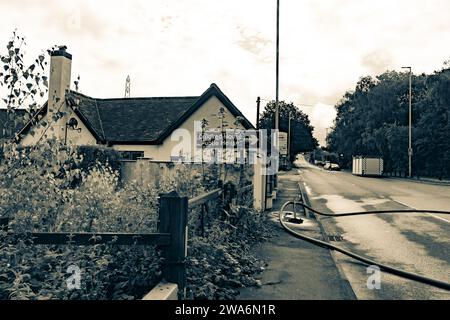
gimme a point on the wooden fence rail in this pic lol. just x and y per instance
(87, 239)
(205, 198)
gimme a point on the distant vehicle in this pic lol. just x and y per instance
(332, 166)
(335, 167)
(319, 163)
(367, 166)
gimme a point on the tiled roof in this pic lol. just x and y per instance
(132, 119)
(140, 120)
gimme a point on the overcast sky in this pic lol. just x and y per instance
(175, 47)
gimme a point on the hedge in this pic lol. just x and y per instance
(92, 155)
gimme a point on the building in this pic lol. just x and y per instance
(149, 128)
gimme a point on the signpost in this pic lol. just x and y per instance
(283, 143)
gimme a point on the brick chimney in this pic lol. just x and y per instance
(59, 83)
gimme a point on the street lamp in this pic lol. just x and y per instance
(289, 135)
(410, 150)
(277, 107)
(277, 86)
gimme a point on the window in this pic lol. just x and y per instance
(131, 155)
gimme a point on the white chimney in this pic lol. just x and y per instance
(59, 83)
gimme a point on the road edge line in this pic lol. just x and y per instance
(341, 272)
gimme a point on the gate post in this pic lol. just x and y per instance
(259, 185)
(173, 211)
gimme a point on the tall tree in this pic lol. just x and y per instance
(302, 139)
(372, 120)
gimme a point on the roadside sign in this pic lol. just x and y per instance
(283, 143)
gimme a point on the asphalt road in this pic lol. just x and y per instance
(417, 243)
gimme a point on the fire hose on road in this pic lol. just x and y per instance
(401, 273)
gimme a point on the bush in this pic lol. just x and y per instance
(93, 155)
(221, 262)
(107, 271)
(38, 196)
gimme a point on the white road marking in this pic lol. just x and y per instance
(430, 214)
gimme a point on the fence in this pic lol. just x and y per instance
(146, 171)
(171, 237)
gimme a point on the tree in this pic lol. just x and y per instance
(372, 120)
(302, 139)
(22, 83)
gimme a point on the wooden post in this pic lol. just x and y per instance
(173, 219)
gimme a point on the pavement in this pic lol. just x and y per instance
(423, 180)
(418, 243)
(296, 270)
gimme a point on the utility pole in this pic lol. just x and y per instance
(410, 149)
(289, 136)
(258, 104)
(277, 107)
(277, 111)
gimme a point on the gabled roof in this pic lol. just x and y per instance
(140, 120)
(130, 120)
(213, 90)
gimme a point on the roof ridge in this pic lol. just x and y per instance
(135, 98)
(100, 120)
(147, 98)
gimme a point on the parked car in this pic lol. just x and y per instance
(332, 166)
(335, 167)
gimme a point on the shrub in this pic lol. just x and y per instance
(93, 155)
(221, 262)
(37, 196)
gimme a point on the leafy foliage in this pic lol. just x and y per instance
(92, 155)
(302, 139)
(51, 187)
(39, 197)
(221, 262)
(23, 84)
(373, 120)
(99, 204)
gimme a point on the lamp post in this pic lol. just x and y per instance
(410, 150)
(277, 111)
(277, 74)
(289, 136)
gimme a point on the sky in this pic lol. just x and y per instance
(178, 48)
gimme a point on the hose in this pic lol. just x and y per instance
(401, 273)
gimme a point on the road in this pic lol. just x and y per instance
(417, 243)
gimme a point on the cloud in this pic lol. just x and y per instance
(167, 22)
(256, 44)
(377, 61)
(172, 47)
